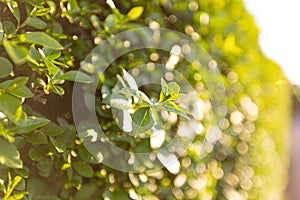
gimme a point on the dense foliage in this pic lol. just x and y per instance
(44, 43)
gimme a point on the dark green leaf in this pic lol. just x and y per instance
(35, 22)
(142, 121)
(37, 138)
(121, 194)
(49, 197)
(9, 28)
(135, 13)
(59, 145)
(41, 38)
(86, 156)
(35, 154)
(76, 76)
(5, 67)
(86, 191)
(51, 129)
(35, 187)
(9, 155)
(24, 172)
(83, 169)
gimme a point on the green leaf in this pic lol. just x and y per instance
(172, 107)
(48, 197)
(76, 76)
(35, 154)
(1, 31)
(142, 121)
(18, 82)
(15, 182)
(174, 87)
(15, 52)
(52, 129)
(51, 54)
(86, 156)
(86, 191)
(9, 105)
(164, 87)
(30, 124)
(35, 22)
(117, 101)
(169, 91)
(24, 172)
(41, 38)
(52, 69)
(121, 194)
(37, 138)
(129, 79)
(17, 87)
(9, 28)
(135, 13)
(57, 89)
(5, 67)
(135, 93)
(40, 11)
(59, 145)
(18, 196)
(35, 187)
(9, 155)
(22, 91)
(83, 169)
(13, 7)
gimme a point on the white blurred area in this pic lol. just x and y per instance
(279, 24)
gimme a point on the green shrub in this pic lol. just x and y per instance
(239, 148)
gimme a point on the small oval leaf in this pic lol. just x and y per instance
(5, 67)
(83, 169)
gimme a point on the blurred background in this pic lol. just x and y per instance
(275, 20)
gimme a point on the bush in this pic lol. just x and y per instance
(223, 111)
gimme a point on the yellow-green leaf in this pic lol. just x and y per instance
(15, 52)
(135, 13)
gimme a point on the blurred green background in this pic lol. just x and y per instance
(248, 160)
